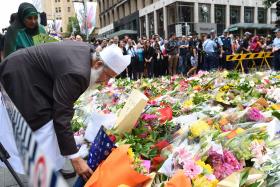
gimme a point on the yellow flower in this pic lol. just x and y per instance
(219, 97)
(239, 130)
(275, 106)
(277, 77)
(202, 181)
(130, 154)
(187, 103)
(199, 127)
(225, 74)
(206, 167)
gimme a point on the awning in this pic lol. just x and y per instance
(122, 32)
(237, 26)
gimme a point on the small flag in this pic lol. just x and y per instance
(100, 149)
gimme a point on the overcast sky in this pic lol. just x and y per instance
(6, 9)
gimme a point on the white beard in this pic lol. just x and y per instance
(94, 76)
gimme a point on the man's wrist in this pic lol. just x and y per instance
(73, 156)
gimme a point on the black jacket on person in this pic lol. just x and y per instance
(149, 52)
(44, 82)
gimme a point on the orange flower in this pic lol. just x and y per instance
(197, 87)
(223, 121)
(210, 121)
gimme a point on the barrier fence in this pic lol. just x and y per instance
(250, 56)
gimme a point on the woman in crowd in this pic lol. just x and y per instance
(158, 59)
(149, 61)
(20, 33)
(256, 47)
(122, 47)
(140, 63)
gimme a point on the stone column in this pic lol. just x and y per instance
(242, 14)
(155, 22)
(147, 25)
(268, 16)
(165, 21)
(196, 20)
(256, 14)
(227, 15)
(212, 13)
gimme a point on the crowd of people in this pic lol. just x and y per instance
(187, 55)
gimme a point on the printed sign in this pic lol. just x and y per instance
(36, 163)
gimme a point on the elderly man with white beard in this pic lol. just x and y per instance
(44, 82)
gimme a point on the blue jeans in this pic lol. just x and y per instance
(182, 64)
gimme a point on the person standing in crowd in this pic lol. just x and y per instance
(132, 68)
(79, 38)
(227, 50)
(20, 33)
(149, 61)
(44, 82)
(244, 48)
(183, 50)
(172, 50)
(194, 63)
(276, 50)
(164, 70)
(256, 47)
(116, 40)
(122, 47)
(200, 52)
(211, 58)
(158, 60)
(141, 61)
(218, 49)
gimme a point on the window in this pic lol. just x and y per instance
(204, 13)
(249, 14)
(143, 26)
(59, 9)
(234, 14)
(220, 18)
(151, 23)
(68, 1)
(55, 1)
(56, 10)
(69, 19)
(262, 15)
(185, 12)
(69, 9)
(58, 0)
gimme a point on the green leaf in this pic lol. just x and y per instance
(256, 184)
(244, 176)
(276, 114)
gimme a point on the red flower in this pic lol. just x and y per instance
(165, 114)
(112, 138)
(162, 144)
(157, 161)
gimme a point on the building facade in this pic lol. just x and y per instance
(59, 10)
(184, 16)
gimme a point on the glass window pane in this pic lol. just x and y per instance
(220, 18)
(262, 15)
(204, 13)
(185, 12)
(249, 14)
(151, 23)
(273, 15)
(234, 14)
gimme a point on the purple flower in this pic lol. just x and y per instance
(254, 114)
(149, 117)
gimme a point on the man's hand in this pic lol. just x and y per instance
(81, 168)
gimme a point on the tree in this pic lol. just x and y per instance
(73, 24)
(268, 3)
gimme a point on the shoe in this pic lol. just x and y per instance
(67, 174)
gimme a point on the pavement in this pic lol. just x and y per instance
(7, 180)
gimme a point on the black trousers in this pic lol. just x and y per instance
(276, 61)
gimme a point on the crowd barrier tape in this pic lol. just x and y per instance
(249, 56)
(36, 164)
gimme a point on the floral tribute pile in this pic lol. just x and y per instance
(213, 129)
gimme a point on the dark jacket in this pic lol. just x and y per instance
(44, 82)
(149, 52)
